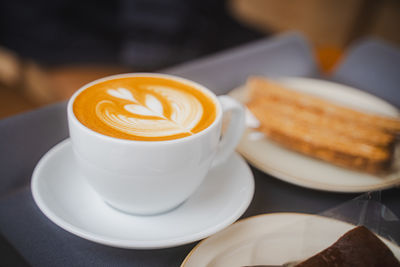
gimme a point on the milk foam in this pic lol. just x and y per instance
(149, 118)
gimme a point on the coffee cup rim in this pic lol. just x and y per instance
(208, 92)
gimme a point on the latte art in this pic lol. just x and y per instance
(144, 108)
(148, 119)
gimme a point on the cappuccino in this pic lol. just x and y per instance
(145, 108)
(146, 177)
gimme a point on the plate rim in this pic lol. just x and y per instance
(126, 243)
(302, 181)
(295, 214)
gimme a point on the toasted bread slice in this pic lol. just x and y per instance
(361, 132)
(320, 142)
(321, 129)
(263, 88)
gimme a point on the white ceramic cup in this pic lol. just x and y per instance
(150, 177)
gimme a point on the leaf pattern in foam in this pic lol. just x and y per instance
(122, 93)
(154, 105)
(187, 111)
(140, 110)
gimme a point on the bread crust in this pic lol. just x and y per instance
(323, 130)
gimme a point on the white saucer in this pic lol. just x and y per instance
(63, 195)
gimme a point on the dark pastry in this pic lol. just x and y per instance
(358, 247)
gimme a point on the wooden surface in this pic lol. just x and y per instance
(323, 22)
(38, 87)
(12, 103)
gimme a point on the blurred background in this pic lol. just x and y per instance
(48, 49)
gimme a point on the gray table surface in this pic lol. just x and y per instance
(25, 138)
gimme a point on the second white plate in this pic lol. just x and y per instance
(273, 239)
(308, 172)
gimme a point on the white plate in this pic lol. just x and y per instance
(272, 239)
(308, 172)
(63, 195)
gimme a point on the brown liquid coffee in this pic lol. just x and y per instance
(145, 108)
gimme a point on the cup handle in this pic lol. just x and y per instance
(231, 136)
